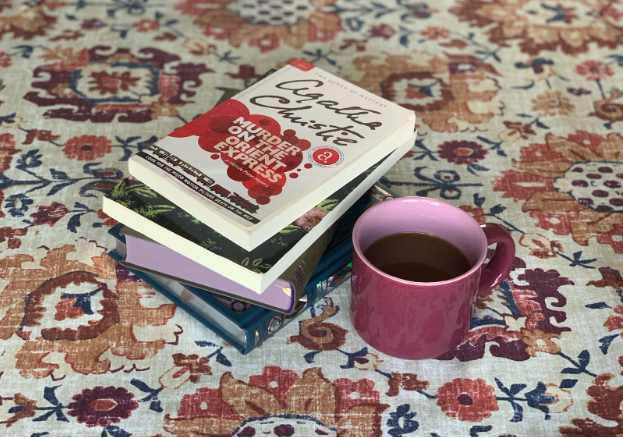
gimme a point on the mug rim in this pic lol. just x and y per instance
(357, 248)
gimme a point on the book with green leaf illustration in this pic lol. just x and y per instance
(142, 209)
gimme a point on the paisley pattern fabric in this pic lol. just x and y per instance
(520, 112)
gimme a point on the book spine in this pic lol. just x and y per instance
(300, 272)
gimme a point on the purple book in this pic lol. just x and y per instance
(144, 254)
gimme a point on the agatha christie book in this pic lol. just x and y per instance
(143, 209)
(260, 160)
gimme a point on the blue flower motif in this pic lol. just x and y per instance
(408, 424)
(418, 9)
(539, 399)
(29, 160)
(18, 204)
(536, 64)
(447, 182)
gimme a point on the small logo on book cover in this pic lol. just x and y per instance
(326, 156)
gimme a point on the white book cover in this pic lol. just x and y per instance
(257, 162)
(226, 259)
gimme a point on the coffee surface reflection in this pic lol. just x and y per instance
(417, 257)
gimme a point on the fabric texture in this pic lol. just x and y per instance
(520, 110)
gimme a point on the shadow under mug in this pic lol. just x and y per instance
(414, 320)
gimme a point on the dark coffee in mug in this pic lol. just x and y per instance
(417, 257)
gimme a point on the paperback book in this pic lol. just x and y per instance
(255, 163)
(162, 222)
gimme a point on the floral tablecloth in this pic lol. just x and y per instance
(520, 112)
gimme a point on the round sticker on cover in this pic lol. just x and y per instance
(326, 156)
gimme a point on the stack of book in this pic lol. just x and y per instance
(243, 216)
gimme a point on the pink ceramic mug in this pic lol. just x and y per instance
(415, 320)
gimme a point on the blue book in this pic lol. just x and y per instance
(245, 325)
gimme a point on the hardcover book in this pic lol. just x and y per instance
(246, 325)
(282, 295)
(143, 209)
(258, 161)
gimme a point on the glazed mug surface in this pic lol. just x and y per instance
(416, 320)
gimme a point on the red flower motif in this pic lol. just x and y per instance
(355, 393)
(7, 150)
(50, 214)
(275, 380)
(405, 381)
(109, 222)
(102, 406)
(540, 246)
(520, 185)
(609, 278)
(221, 32)
(433, 33)
(615, 322)
(462, 152)
(87, 147)
(614, 238)
(606, 402)
(594, 70)
(475, 212)
(193, 364)
(467, 399)
(11, 235)
(24, 407)
(5, 59)
(384, 31)
(112, 83)
(65, 309)
(263, 407)
(266, 43)
(41, 135)
(516, 130)
(205, 402)
(591, 141)
(92, 24)
(559, 223)
(613, 12)
(145, 25)
(540, 152)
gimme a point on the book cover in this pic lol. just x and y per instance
(258, 161)
(246, 325)
(140, 252)
(143, 209)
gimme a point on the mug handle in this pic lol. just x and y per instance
(501, 263)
